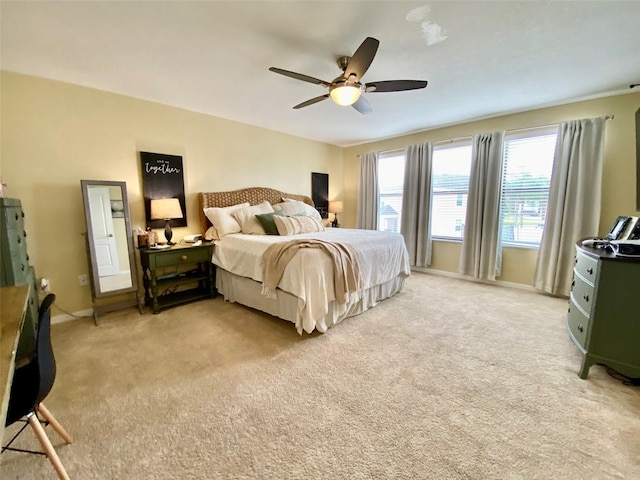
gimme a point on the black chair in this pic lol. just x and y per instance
(31, 384)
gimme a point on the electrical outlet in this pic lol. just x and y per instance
(83, 280)
(45, 286)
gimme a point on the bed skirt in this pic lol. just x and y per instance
(247, 292)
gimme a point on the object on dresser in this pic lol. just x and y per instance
(625, 228)
(192, 238)
(626, 248)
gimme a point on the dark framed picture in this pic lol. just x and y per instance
(638, 160)
(162, 177)
(320, 193)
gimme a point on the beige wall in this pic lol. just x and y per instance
(618, 185)
(55, 134)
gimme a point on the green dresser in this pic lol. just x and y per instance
(15, 267)
(604, 310)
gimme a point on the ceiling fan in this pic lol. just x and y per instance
(347, 89)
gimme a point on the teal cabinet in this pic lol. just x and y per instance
(604, 310)
(15, 268)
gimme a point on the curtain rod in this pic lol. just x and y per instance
(453, 140)
(542, 127)
(470, 137)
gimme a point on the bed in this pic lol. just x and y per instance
(305, 294)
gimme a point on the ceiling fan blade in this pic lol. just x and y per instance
(361, 60)
(299, 76)
(312, 101)
(362, 105)
(395, 85)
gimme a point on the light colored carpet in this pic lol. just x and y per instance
(448, 380)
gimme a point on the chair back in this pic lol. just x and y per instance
(32, 382)
(44, 350)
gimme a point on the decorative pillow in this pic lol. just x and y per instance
(246, 217)
(222, 219)
(295, 207)
(296, 225)
(268, 223)
(211, 234)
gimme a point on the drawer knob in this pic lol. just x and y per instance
(184, 257)
(580, 328)
(590, 270)
(586, 297)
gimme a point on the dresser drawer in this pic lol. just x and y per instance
(578, 324)
(586, 267)
(583, 294)
(184, 255)
(13, 215)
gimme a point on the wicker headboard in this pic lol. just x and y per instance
(253, 195)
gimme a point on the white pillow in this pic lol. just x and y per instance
(296, 207)
(296, 225)
(246, 217)
(211, 234)
(222, 220)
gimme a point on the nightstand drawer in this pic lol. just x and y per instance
(184, 255)
(578, 324)
(586, 267)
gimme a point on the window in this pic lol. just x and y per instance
(528, 161)
(451, 167)
(390, 184)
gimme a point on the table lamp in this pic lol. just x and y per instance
(335, 207)
(166, 209)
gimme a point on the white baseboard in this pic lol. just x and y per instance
(66, 317)
(499, 283)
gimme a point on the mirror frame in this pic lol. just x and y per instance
(95, 279)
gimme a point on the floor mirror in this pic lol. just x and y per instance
(110, 250)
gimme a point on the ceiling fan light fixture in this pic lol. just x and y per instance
(345, 93)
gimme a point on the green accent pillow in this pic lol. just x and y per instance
(268, 223)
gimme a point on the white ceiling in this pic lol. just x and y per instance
(481, 58)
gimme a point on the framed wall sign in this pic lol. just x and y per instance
(638, 160)
(162, 177)
(320, 193)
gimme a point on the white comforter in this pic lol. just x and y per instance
(309, 276)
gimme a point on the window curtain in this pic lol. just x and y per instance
(367, 213)
(416, 203)
(481, 255)
(573, 210)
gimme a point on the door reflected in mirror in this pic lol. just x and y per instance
(109, 236)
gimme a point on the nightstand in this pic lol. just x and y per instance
(177, 275)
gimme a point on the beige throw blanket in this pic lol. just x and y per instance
(344, 259)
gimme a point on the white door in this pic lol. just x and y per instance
(104, 240)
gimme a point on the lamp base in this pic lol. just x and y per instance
(168, 234)
(335, 223)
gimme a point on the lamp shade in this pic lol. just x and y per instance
(336, 207)
(165, 209)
